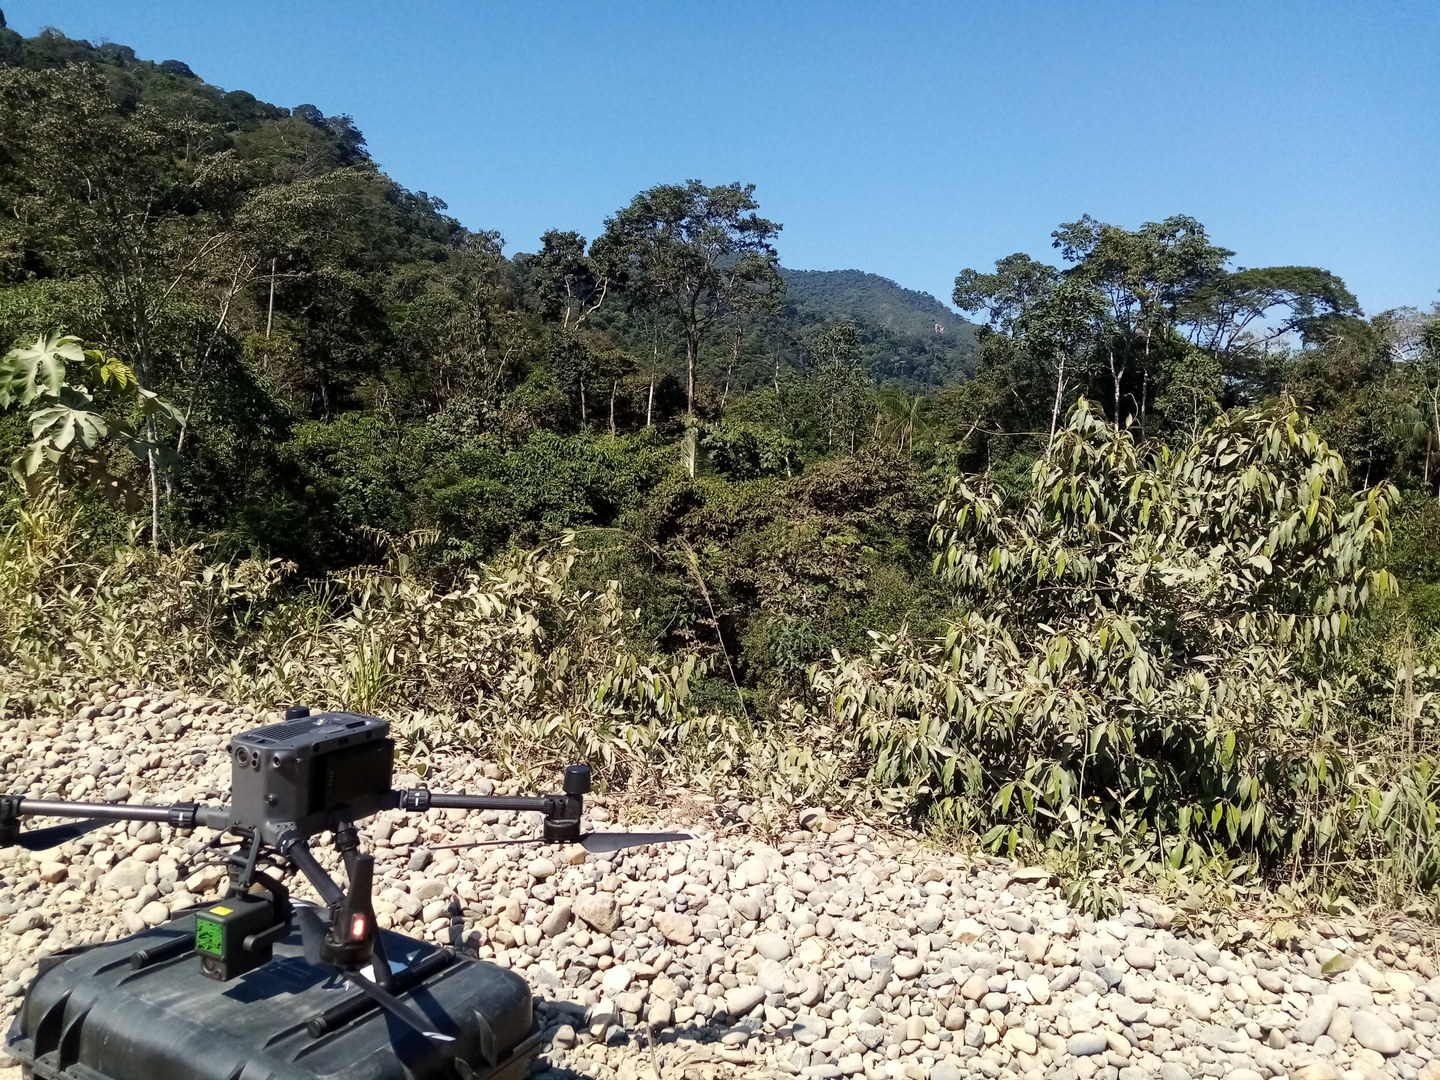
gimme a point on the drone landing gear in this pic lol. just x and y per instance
(345, 939)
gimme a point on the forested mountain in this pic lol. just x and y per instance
(907, 336)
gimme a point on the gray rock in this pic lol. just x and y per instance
(564, 1037)
(870, 1037)
(771, 976)
(128, 875)
(1352, 995)
(812, 988)
(808, 1030)
(557, 921)
(1086, 1043)
(772, 946)
(995, 1002)
(747, 907)
(742, 999)
(1140, 957)
(1373, 1033)
(908, 967)
(1316, 1020)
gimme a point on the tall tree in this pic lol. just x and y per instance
(1050, 319)
(567, 283)
(1237, 315)
(133, 201)
(1143, 276)
(844, 396)
(697, 253)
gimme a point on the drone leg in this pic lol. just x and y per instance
(298, 852)
(384, 977)
(242, 874)
(347, 843)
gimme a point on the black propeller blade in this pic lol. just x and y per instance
(312, 933)
(488, 843)
(55, 835)
(395, 1007)
(312, 936)
(597, 843)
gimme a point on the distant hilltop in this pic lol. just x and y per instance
(915, 338)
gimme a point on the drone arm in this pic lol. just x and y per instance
(176, 815)
(562, 812)
(421, 799)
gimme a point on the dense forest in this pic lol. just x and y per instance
(1144, 568)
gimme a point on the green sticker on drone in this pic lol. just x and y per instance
(209, 937)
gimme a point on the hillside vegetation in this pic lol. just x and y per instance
(907, 338)
(1143, 581)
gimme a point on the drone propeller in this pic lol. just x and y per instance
(395, 1007)
(597, 843)
(312, 933)
(312, 938)
(55, 835)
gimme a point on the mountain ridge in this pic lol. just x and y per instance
(908, 337)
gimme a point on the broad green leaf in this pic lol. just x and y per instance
(73, 418)
(152, 403)
(37, 370)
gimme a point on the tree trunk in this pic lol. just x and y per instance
(692, 347)
(154, 484)
(730, 369)
(270, 308)
(1433, 438)
(1116, 377)
(583, 418)
(1055, 409)
(614, 387)
(654, 366)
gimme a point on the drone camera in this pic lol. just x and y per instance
(231, 936)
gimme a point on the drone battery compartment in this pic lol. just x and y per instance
(91, 1015)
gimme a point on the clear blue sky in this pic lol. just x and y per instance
(908, 139)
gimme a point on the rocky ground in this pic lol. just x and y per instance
(831, 950)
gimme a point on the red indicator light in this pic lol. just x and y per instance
(357, 927)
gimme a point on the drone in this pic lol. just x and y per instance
(116, 1011)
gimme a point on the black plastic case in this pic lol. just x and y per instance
(90, 1014)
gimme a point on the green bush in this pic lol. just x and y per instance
(1147, 665)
